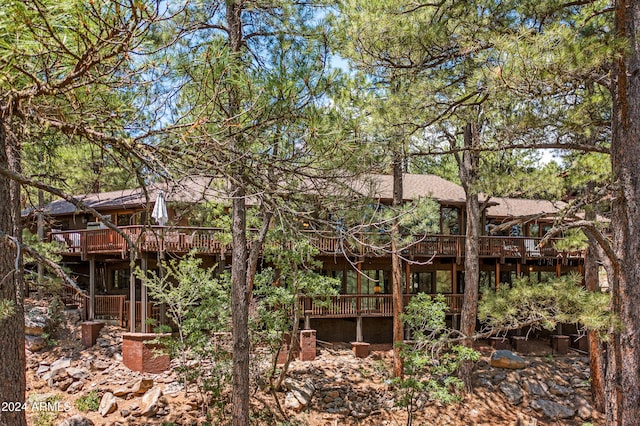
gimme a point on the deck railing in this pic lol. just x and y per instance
(210, 241)
(366, 305)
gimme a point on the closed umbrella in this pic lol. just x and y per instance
(160, 210)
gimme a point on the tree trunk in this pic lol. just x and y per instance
(396, 271)
(596, 347)
(622, 385)
(239, 282)
(12, 367)
(468, 168)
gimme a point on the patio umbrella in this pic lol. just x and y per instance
(160, 210)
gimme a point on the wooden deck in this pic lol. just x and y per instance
(208, 241)
(364, 305)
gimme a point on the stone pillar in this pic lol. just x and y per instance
(560, 344)
(90, 332)
(138, 354)
(360, 349)
(520, 344)
(307, 345)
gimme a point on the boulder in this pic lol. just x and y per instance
(75, 387)
(76, 420)
(36, 321)
(535, 387)
(141, 386)
(506, 359)
(512, 392)
(57, 371)
(35, 343)
(77, 373)
(292, 402)
(560, 390)
(302, 391)
(552, 409)
(108, 404)
(150, 401)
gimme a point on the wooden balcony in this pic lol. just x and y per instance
(209, 241)
(365, 305)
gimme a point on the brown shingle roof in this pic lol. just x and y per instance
(414, 186)
(517, 207)
(189, 190)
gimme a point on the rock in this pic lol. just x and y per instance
(302, 391)
(585, 412)
(506, 359)
(60, 364)
(124, 412)
(35, 343)
(76, 420)
(63, 384)
(102, 342)
(141, 386)
(99, 365)
(72, 316)
(108, 404)
(560, 390)
(75, 387)
(77, 373)
(43, 368)
(535, 387)
(512, 391)
(36, 321)
(150, 401)
(292, 402)
(584, 409)
(359, 415)
(552, 409)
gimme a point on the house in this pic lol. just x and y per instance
(434, 263)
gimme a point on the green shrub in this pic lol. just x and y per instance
(88, 402)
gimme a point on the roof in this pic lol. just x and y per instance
(413, 187)
(379, 186)
(518, 207)
(189, 190)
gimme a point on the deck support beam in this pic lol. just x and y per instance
(144, 299)
(359, 337)
(92, 288)
(132, 294)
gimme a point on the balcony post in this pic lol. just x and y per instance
(132, 292)
(359, 337)
(143, 296)
(92, 288)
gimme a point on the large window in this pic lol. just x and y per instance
(443, 282)
(121, 278)
(450, 221)
(422, 282)
(351, 282)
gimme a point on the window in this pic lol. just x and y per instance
(450, 220)
(534, 230)
(121, 278)
(352, 282)
(124, 219)
(421, 282)
(443, 282)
